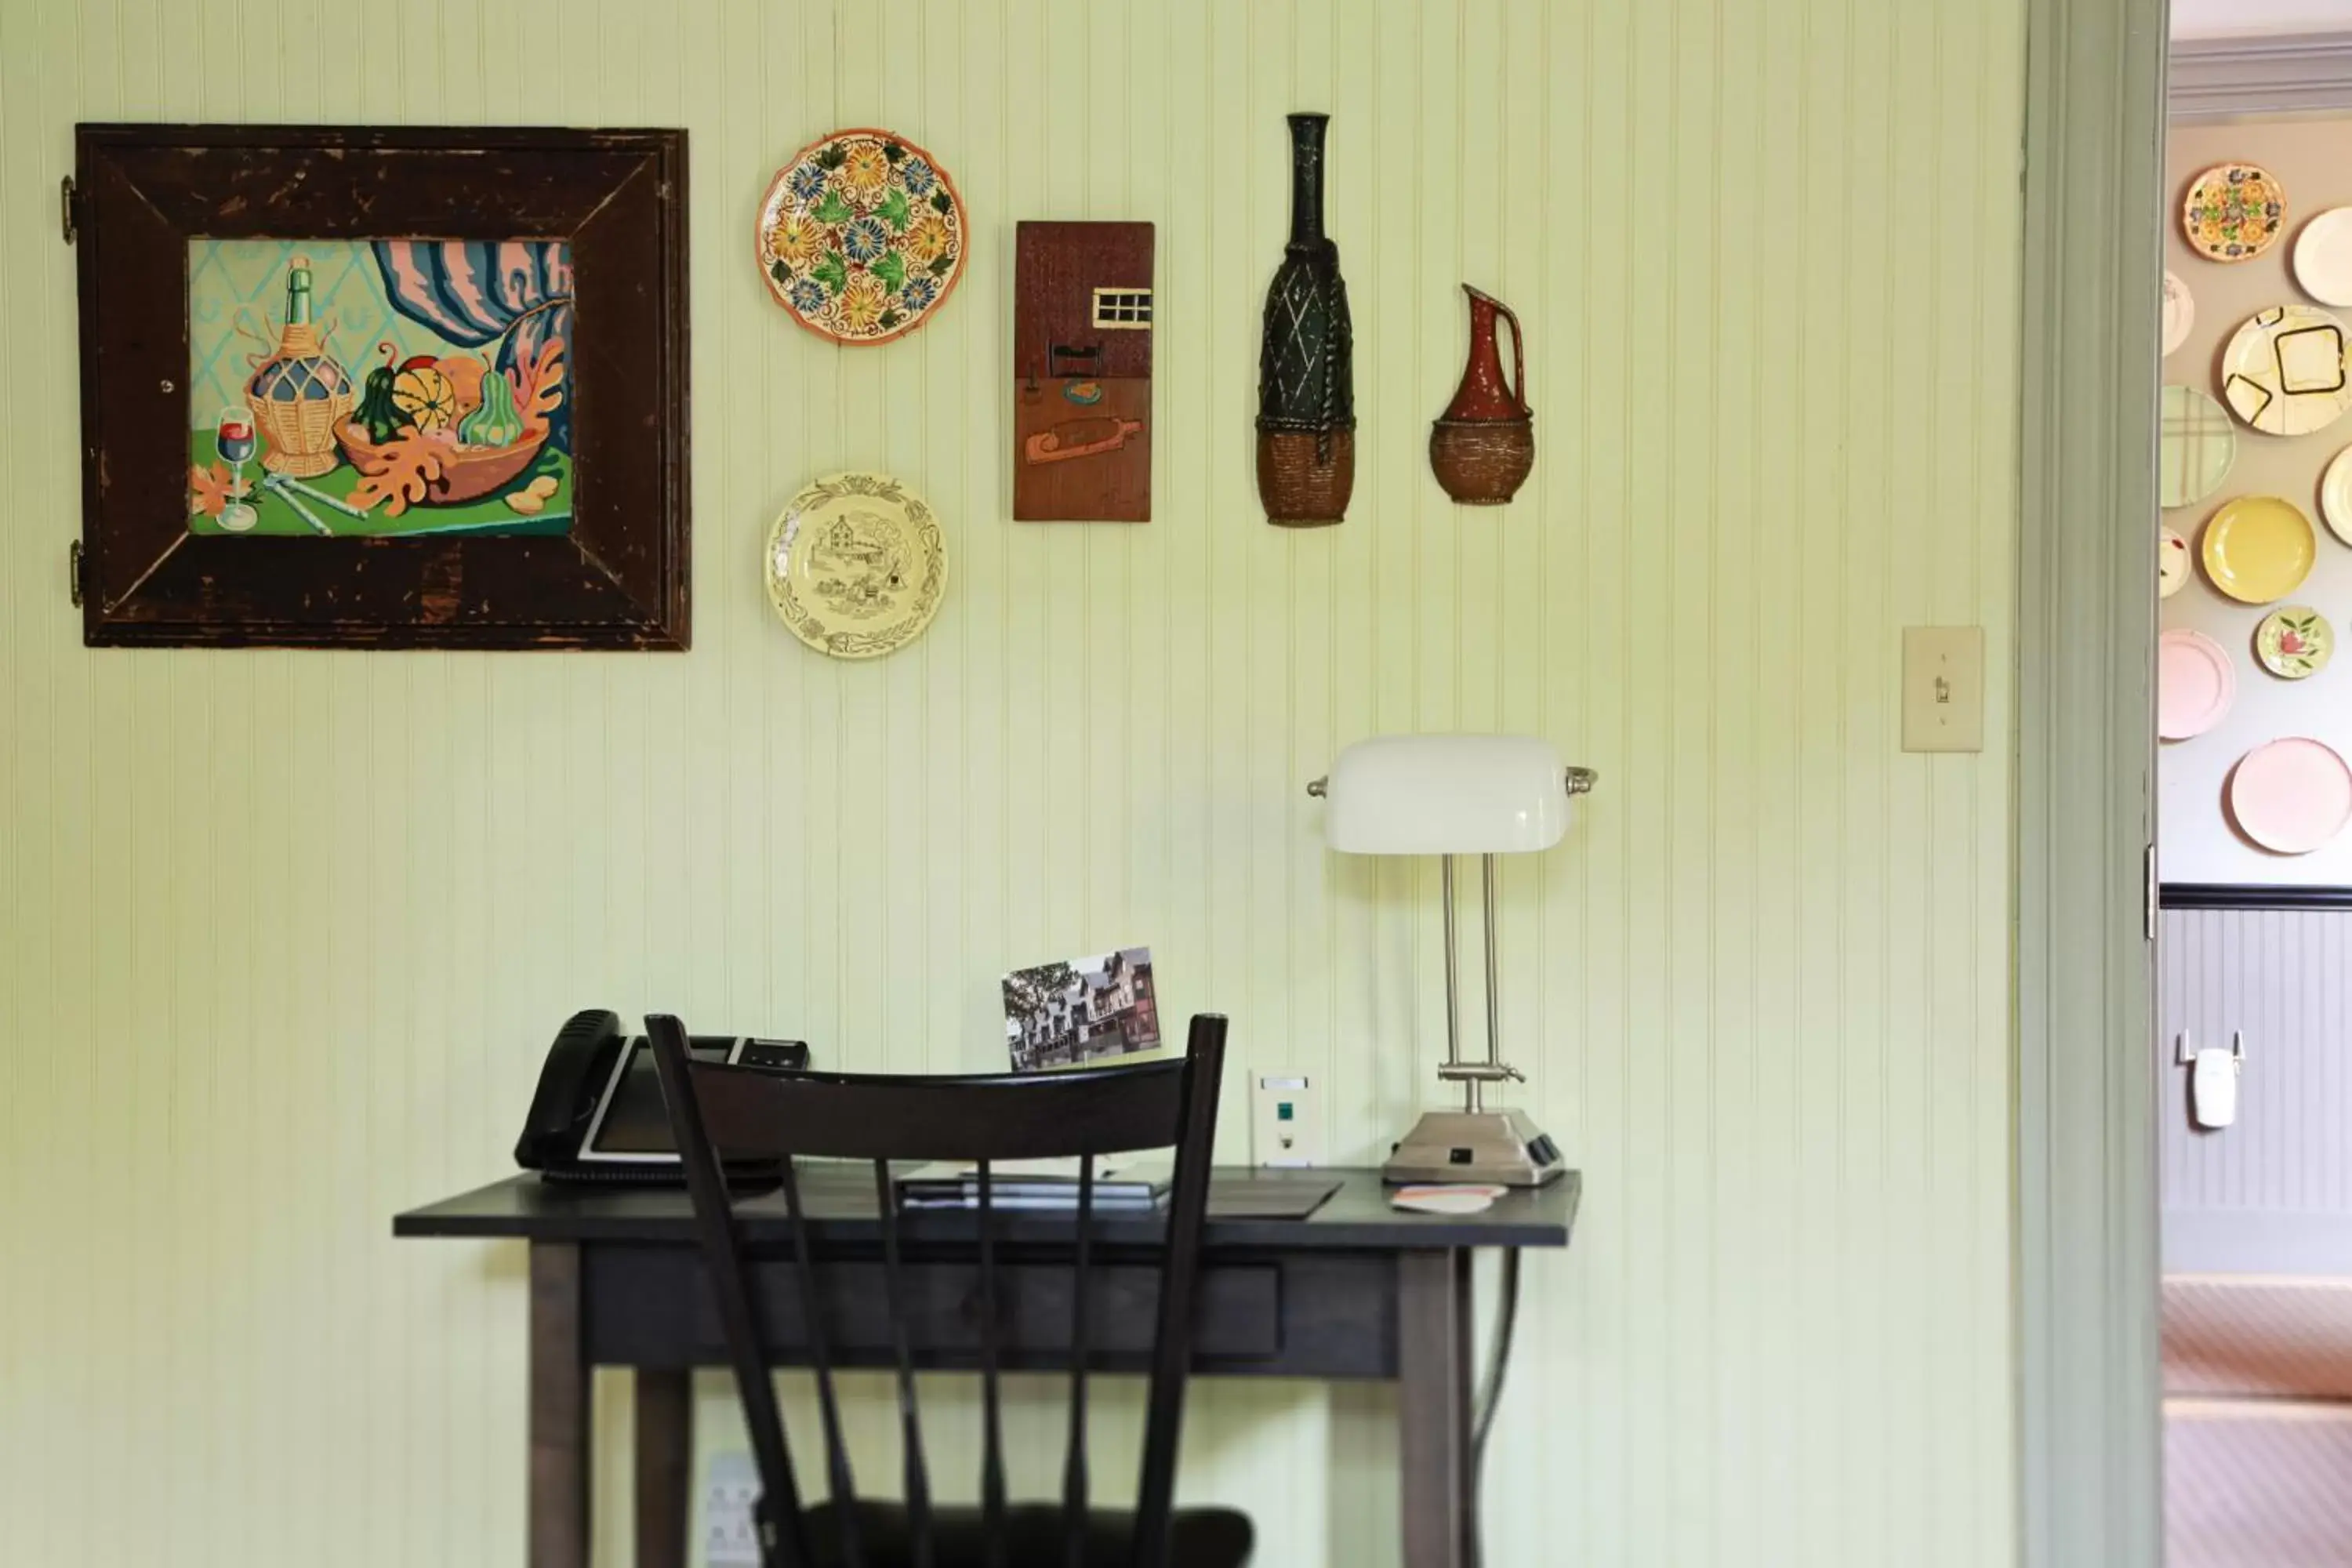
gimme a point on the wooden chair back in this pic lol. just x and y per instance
(724, 1116)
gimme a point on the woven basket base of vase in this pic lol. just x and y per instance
(1298, 490)
(299, 438)
(1482, 462)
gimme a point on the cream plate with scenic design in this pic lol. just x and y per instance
(2294, 641)
(862, 237)
(2234, 212)
(857, 565)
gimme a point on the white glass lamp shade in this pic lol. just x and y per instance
(1447, 795)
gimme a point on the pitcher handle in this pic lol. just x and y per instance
(1518, 359)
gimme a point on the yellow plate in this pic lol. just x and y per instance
(857, 565)
(2259, 548)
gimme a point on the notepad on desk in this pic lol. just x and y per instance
(1120, 1185)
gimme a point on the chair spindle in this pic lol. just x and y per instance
(837, 1449)
(910, 1427)
(1074, 1473)
(992, 1451)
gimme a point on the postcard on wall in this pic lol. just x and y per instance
(1067, 1014)
(379, 388)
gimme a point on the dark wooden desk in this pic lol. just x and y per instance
(1358, 1290)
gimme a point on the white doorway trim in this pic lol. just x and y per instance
(2089, 1416)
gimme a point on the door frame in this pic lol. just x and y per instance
(2089, 1411)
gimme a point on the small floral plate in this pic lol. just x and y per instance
(2173, 565)
(862, 237)
(857, 565)
(2234, 212)
(2294, 641)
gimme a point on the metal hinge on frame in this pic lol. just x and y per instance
(73, 573)
(65, 207)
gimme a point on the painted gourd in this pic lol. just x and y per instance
(425, 398)
(377, 410)
(495, 422)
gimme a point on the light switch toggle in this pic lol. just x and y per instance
(1943, 689)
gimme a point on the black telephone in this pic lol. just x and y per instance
(598, 1116)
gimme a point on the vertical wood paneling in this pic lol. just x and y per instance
(2278, 976)
(286, 934)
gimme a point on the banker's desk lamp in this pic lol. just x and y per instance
(1448, 795)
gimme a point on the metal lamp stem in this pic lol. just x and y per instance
(1453, 988)
(1494, 991)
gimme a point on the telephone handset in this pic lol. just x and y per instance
(598, 1114)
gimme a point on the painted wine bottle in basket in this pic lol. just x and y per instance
(1307, 362)
(299, 391)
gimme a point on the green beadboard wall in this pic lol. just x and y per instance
(284, 932)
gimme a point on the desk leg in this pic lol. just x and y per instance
(664, 1464)
(1433, 1391)
(559, 1410)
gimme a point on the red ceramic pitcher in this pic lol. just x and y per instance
(1483, 445)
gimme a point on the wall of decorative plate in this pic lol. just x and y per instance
(2256, 552)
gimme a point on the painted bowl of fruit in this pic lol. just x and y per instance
(470, 439)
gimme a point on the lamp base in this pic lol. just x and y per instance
(1499, 1146)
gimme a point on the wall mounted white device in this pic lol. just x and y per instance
(1448, 795)
(2213, 1081)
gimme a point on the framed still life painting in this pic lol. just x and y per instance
(382, 388)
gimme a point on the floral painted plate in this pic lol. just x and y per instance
(2291, 796)
(2234, 212)
(2179, 312)
(2172, 563)
(2194, 684)
(862, 237)
(2284, 372)
(2258, 549)
(857, 565)
(2294, 641)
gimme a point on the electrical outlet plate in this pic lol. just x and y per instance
(1943, 689)
(729, 1483)
(1286, 1121)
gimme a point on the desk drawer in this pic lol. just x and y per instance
(654, 1306)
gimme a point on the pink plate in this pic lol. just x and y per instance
(2292, 795)
(2194, 684)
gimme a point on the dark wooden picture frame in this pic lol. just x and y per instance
(617, 579)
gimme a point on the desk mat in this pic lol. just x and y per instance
(1264, 1197)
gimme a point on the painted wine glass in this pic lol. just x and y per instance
(234, 436)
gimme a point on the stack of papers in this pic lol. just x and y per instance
(1122, 1185)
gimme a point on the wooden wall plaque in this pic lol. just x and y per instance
(1082, 326)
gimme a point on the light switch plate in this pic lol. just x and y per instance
(1943, 689)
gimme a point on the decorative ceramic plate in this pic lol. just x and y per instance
(862, 237)
(2179, 312)
(2194, 684)
(2323, 256)
(2283, 371)
(2173, 566)
(2195, 447)
(2258, 549)
(2234, 213)
(2294, 641)
(857, 565)
(2336, 496)
(2291, 796)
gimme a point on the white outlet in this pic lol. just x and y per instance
(1286, 1121)
(728, 1488)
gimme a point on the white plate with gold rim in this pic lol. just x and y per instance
(857, 565)
(2336, 496)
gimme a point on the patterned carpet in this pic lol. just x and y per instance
(2258, 1423)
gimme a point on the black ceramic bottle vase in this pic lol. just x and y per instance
(1306, 364)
